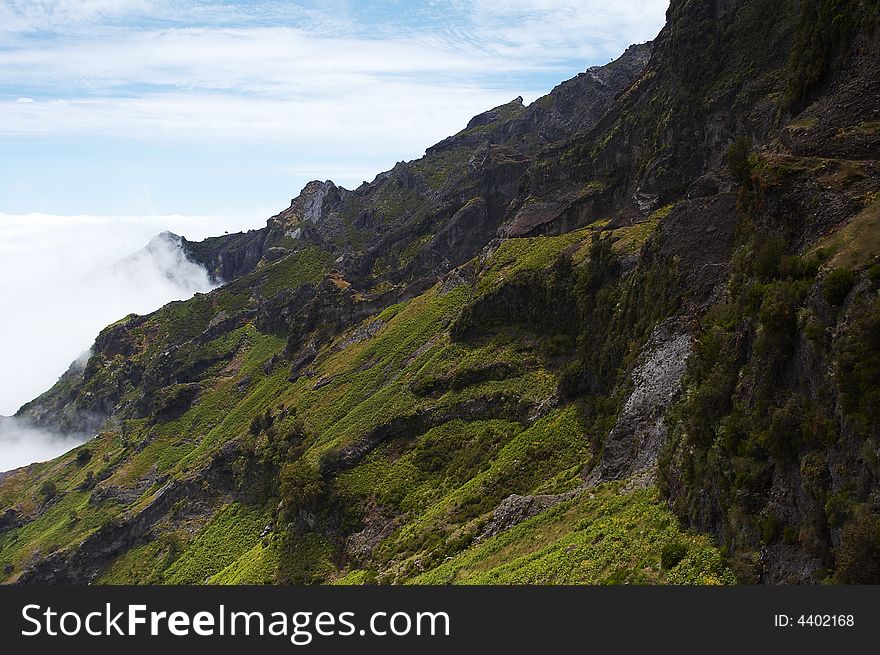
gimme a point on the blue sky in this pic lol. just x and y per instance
(146, 107)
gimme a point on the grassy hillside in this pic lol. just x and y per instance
(453, 428)
(626, 334)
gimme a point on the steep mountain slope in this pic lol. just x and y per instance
(545, 352)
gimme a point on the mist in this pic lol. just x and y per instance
(21, 444)
(64, 278)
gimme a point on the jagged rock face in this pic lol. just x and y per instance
(633, 447)
(515, 509)
(391, 377)
(577, 104)
(308, 205)
(424, 200)
(230, 256)
(669, 127)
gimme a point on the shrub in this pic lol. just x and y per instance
(814, 471)
(813, 328)
(48, 490)
(771, 528)
(262, 422)
(837, 508)
(88, 482)
(558, 344)
(672, 554)
(798, 268)
(768, 259)
(746, 567)
(330, 462)
(783, 436)
(858, 370)
(778, 317)
(83, 457)
(858, 555)
(738, 159)
(302, 487)
(837, 285)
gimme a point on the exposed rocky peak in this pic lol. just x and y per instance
(391, 377)
(229, 256)
(501, 113)
(315, 200)
(574, 105)
(620, 72)
(577, 104)
(704, 83)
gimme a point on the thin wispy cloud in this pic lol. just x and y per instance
(278, 84)
(243, 59)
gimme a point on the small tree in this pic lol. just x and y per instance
(302, 487)
(48, 490)
(738, 159)
(837, 285)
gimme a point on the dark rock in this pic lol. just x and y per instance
(174, 400)
(10, 519)
(515, 509)
(633, 446)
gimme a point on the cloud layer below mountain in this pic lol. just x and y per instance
(21, 445)
(67, 277)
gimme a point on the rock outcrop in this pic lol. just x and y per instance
(659, 281)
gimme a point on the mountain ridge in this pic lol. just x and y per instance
(546, 352)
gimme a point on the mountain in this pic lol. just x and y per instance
(628, 333)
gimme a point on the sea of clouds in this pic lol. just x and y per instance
(64, 278)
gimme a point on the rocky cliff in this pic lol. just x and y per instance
(627, 333)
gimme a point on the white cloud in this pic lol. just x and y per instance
(360, 114)
(309, 71)
(550, 30)
(311, 79)
(21, 445)
(62, 283)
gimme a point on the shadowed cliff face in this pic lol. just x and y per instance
(647, 298)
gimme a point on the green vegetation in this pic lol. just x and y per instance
(501, 114)
(305, 266)
(442, 167)
(858, 242)
(824, 32)
(435, 482)
(858, 556)
(858, 370)
(234, 531)
(747, 420)
(603, 537)
(515, 256)
(289, 427)
(733, 433)
(738, 159)
(838, 284)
